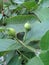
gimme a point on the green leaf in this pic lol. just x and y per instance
(20, 19)
(44, 44)
(45, 3)
(35, 61)
(37, 31)
(30, 5)
(45, 57)
(42, 59)
(42, 14)
(16, 60)
(8, 44)
(9, 55)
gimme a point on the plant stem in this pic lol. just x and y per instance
(23, 55)
(28, 47)
(25, 35)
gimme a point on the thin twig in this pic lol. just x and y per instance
(23, 55)
(28, 47)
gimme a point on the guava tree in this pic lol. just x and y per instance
(24, 32)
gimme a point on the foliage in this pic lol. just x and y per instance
(17, 45)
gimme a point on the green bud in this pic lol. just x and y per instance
(27, 26)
